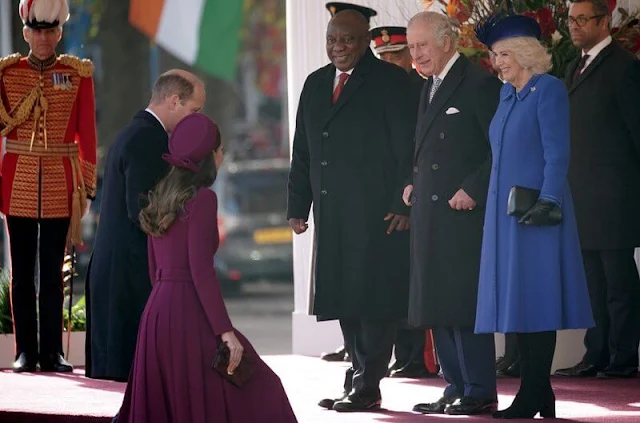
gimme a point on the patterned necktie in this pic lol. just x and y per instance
(434, 87)
(338, 90)
(581, 63)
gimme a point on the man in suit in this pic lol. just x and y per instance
(351, 155)
(390, 44)
(341, 354)
(604, 174)
(447, 193)
(118, 282)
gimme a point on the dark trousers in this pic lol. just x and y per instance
(369, 343)
(536, 356)
(614, 289)
(409, 346)
(511, 346)
(23, 241)
(467, 361)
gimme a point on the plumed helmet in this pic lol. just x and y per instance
(43, 14)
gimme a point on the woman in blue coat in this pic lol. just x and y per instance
(532, 280)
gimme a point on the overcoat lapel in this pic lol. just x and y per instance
(446, 90)
(592, 66)
(353, 84)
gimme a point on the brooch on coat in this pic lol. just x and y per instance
(61, 81)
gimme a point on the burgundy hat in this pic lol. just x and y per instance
(193, 138)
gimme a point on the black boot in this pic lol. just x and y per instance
(535, 394)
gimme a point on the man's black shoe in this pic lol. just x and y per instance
(468, 406)
(437, 407)
(24, 364)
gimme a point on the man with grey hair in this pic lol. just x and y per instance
(118, 283)
(447, 192)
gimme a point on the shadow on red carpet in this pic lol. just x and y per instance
(72, 398)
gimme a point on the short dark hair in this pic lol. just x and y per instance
(172, 83)
(599, 6)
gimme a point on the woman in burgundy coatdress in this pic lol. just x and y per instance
(172, 380)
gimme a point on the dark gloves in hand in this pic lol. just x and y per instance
(543, 213)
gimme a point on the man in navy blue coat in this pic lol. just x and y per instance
(118, 283)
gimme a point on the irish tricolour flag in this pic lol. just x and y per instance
(201, 33)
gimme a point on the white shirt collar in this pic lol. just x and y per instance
(448, 66)
(151, 112)
(595, 50)
(339, 72)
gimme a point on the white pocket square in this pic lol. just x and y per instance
(452, 111)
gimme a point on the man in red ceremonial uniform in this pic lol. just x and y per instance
(47, 114)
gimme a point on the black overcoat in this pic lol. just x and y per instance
(350, 160)
(451, 152)
(604, 170)
(118, 283)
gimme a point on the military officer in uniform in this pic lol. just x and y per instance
(390, 44)
(335, 7)
(47, 114)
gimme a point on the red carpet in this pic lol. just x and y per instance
(42, 398)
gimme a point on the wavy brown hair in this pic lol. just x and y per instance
(167, 199)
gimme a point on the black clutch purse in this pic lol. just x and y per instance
(522, 199)
(221, 362)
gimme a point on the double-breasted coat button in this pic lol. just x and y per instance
(325, 134)
(415, 169)
(323, 163)
(434, 197)
(323, 192)
(441, 135)
(435, 166)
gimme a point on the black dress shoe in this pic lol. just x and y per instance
(338, 355)
(357, 402)
(468, 406)
(328, 402)
(412, 371)
(23, 364)
(437, 407)
(612, 372)
(503, 363)
(55, 363)
(511, 371)
(581, 369)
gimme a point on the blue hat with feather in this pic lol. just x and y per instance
(501, 26)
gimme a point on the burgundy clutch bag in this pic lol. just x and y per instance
(221, 362)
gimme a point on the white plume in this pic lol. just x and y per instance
(45, 10)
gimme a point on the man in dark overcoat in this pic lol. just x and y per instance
(390, 43)
(334, 7)
(449, 185)
(351, 155)
(604, 174)
(118, 283)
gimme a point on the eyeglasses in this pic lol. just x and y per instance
(582, 20)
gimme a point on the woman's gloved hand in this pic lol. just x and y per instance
(539, 214)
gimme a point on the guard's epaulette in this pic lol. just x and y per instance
(83, 66)
(9, 60)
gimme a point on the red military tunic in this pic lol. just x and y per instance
(47, 113)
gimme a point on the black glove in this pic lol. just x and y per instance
(543, 213)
